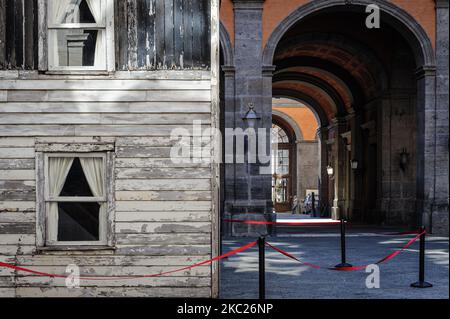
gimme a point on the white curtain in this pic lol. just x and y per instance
(58, 168)
(59, 12)
(96, 9)
(60, 8)
(93, 171)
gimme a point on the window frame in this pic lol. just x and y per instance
(45, 50)
(45, 223)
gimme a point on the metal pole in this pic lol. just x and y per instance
(262, 268)
(343, 248)
(422, 283)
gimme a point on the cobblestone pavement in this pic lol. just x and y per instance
(287, 279)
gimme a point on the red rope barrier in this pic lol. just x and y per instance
(352, 268)
(43, 274)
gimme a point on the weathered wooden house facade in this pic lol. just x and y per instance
(90, 93)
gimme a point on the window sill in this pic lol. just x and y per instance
(75, 249)
(78, 72)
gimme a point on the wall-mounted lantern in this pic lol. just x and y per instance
(251, 116)
(404, 159)
(330, 171)
(354, 164)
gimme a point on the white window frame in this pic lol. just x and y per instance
(44, 222)
(46, 52)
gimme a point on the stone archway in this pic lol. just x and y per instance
(424, 57)
(396, 16)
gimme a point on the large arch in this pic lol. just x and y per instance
(416, 36)
(310, 102)
(291, 122)
(226, 46)
(315, 82)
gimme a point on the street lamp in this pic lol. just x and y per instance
(354, 164)
(251, 116)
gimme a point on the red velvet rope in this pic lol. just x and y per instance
(352, 268)
(43, 274)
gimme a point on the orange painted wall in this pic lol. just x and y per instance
(227, 17)
(304, 118)
(276, 11)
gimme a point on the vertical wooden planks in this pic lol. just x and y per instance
(29, 34)
(178, 12)
(169, 34)
(132, 35)
(141, 30)
(19, 32)
(150, 34)
(197, 32)
(121, 24)
(2, 33)
(160, 34)
(206, 35)
(187, 22)
(10, 34)
(42, 35)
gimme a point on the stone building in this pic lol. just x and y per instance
(379, 92)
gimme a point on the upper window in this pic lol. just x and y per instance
(78, 34)
(75, 197)
(281, 136)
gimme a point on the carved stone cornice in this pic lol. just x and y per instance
(248, 4)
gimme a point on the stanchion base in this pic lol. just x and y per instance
(343, 265)
(421, 284)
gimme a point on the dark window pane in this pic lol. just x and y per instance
(78, 221)
(85, 13)
(77, 47)
(76, 183)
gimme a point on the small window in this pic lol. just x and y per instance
(75, 199)
(77, 34)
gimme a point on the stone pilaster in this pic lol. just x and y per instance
(356, 181)
(250, 190)
(426, 145)
(337, 210)
(439, 210)
(322, 134)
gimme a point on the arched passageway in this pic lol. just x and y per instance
(364, 83)
(374, 94)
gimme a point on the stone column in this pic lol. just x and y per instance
(356, 182)
(439, 217)
(322, 134)
(251, 190)
(229, 172)
(426, 144)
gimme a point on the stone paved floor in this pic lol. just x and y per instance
(288, 279)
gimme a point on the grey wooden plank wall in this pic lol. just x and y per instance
(163, 209)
